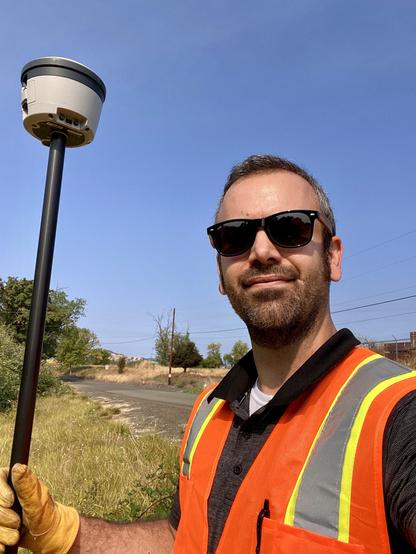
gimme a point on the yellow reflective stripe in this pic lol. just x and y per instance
(347, 470)
(291, 507)
(211, 414)
(203, 399)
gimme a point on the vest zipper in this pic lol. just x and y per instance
(264, 512)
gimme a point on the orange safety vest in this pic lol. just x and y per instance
(316, 486)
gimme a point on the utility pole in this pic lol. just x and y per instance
(171, 348)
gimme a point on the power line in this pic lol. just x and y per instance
(374, 304)
(379, 244)
(129, 341)
(334, 312)
(373, 295)
(379, 268)
(216, 331)
(374, 318)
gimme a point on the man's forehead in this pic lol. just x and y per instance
(259, 195)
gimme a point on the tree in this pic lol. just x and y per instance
(213, 357)
(185, 352)
(100, 356)
(121, 364)
(75, 346)
(237, 352)
(15, 301)
(11, 362)
(163, 335)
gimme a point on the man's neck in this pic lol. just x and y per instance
(276, 365)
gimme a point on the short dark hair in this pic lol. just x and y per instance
(267, 163)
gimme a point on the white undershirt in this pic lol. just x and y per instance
(257, 398)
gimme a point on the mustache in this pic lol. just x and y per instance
(289, 273)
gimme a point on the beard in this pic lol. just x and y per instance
(278, 317)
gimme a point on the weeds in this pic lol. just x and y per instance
(95, 464)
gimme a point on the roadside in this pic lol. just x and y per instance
(145, 407)
(145, 372)
(94, 463)
(140, 395)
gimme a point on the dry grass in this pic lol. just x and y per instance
(96, 464)
(194, 380)
(411, 362)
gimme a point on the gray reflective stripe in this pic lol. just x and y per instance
(201, 414)
(318, 500)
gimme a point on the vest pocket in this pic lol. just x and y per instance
(278, 538)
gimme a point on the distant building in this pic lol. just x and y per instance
(115, 356)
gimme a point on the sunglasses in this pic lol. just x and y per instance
(291, 229)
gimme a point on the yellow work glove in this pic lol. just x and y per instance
(48, 527)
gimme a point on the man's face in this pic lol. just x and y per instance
(280, 293)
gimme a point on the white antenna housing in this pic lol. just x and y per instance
(59, 94)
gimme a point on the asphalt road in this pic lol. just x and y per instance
(146, 408)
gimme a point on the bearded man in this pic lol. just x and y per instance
(307, 444)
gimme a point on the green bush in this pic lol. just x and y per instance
(11, 361)
(121, 364)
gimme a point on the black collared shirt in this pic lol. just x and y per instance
(249, 433)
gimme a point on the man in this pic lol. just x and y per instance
(306, 445)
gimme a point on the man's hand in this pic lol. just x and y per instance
(49, 527)
(9, 520)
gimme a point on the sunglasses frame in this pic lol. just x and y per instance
(262, 223)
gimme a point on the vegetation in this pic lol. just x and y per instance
(11, 361)
(15, 301)
(63, 340)
(11, 357)
(75, 346)
(213, 357)
(193, 381)
(100, 356)
(184, 352)
(239, 349)
(163, 337)
(121, 364)
(95, 464)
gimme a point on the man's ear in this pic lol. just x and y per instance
(221, 286)
(335, 259)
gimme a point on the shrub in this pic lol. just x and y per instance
(121, 364)
(11, 359)
(11, 362)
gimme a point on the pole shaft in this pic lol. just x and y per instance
(34, 339)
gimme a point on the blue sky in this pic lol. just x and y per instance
(193, 88)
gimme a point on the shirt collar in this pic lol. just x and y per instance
(242, 376)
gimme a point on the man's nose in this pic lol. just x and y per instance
(263, 249)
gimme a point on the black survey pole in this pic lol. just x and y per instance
(34, 339)
(61, 102)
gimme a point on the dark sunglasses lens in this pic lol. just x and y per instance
(233, 237)
(291, 230)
